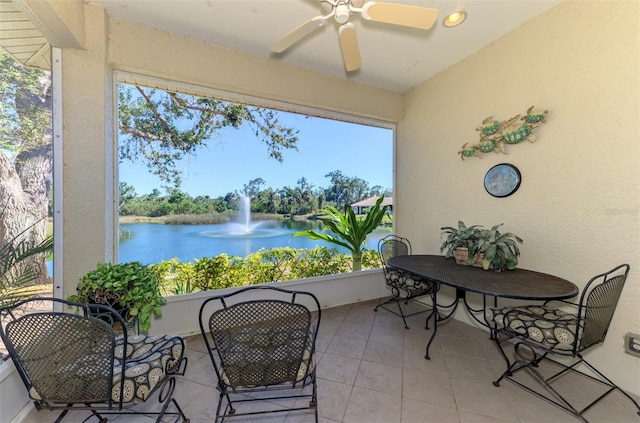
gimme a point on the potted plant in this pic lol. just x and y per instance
(350, 232)
(132, 288)
(477, 246)
(462, 243)
(500, 250)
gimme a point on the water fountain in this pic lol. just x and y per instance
(244, 227)
(244, 215)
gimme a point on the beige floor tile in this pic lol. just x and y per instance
(354, 330)
(201, 370)
(460, 366)
(463, 346)
(468, 417)
(482, 398)
(366, 406)
(381, 352)
(387, 334)
(329, 326)
(333, 398)
(414, 358)
(434, 388)
(360, 316)
(322, 342)
(380, 377)
(338, 368)
(335, 313)
(414, 411)
(347, 346)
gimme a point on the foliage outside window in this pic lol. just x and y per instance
(26, 160)
(159, 129)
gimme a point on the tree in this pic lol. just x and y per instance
(346, 230)
(26, 157)
(160, 128)
(253, 188)
(127, 194)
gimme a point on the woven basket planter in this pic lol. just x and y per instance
(462, 256)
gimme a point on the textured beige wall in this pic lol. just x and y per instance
(578, 206)
(140, 50)
(87, 144)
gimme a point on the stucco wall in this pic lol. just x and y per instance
(578, 206)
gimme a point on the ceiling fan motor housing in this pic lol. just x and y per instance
(342, 13)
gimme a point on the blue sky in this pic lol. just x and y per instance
(236, 157)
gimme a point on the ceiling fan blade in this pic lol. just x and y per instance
(400, 14)
(349, 47)
(298, 34)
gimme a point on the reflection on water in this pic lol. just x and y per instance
(238, 230)
(152, 243)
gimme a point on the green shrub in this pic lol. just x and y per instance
(263, 266)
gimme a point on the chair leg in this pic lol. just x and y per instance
(165, 397)
(528, 358)
(608, 382)
(229, 410)
(314, 400)
(400, 312)
(61, 416)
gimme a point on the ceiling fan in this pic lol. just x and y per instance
(342, 10)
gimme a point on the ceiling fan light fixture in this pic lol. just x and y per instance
(454, 18)
(342, 13)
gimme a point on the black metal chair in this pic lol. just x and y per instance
(71, 360)
(404, 286)
(543, 330)
(261, 339)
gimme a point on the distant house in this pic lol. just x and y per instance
(362, 206)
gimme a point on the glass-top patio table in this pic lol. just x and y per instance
(515, 284)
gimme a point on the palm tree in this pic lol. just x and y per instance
(349, 232)
(18, 272)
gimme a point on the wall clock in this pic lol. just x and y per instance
(502, 180)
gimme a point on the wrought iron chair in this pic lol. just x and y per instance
(404, 286)
(72, 360)
(543, 330)
(262, 339)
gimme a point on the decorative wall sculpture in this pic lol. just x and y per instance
(494, 134)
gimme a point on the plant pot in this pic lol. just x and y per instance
(461, 255)
(112, 300)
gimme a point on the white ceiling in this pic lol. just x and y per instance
(393, 58)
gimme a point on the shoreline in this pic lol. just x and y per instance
(161, 220)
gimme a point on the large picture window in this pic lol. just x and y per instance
(211, 189)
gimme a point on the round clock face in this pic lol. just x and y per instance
(502, 180)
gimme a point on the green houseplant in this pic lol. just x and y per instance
(132, 288)
(348, 231)
(500, 249)
(482, 247)
(462, 237)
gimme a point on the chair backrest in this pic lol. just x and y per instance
(391, 246)
(61, 356)
(598, 303)
(260, 335)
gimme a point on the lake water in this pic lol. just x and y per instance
(152, 243)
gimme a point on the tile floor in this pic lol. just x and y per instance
(371, 369)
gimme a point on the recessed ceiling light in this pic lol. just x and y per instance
(454, 18)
